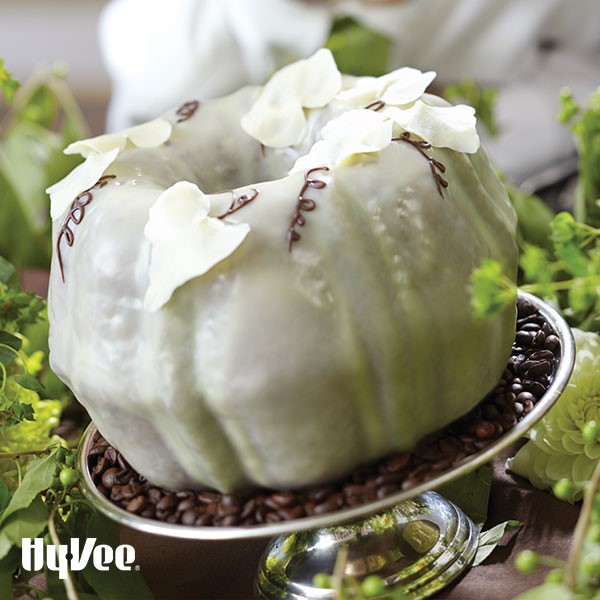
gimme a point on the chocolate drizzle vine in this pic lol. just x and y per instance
(304, 204)
(238, 202)
(186, 111)
(435, 165)
(375, 106)
(75, 217)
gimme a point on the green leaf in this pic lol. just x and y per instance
(491, 290)
(4, 496)
(37, 479)
(357, 49)
(7, 84)
(113, 584)
(8, 566)
(29, 382)
(27, 522)
(7, 270)
(481, 99)
(12, 341)
(472, 494)
(549, 591)
(488, 540)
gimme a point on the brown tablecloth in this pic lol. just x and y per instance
(184, 570)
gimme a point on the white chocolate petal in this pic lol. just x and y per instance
(406, 86)
(147, 135)
(353, 132)
(185, 241)
(400, 87)
(81, 178)
(284, 127)
(364, 91)
(321, 79)
(276, 119)
(442, 126)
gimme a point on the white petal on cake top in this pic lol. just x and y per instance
(147, 135)
(100, 152)
(451, 127)
(185, 241)
(400, 87)
(81, 178)
(277, 118)
(351, 133)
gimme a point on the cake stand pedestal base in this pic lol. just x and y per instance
(417, 546)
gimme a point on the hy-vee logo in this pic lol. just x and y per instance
(65, 557)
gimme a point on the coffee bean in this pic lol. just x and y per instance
(552, 342)
(189, 517)
(484, 430)
(137, 504)
(166, 502)
(186, 504)
(399, 462)
(109, 478)
(289, 513)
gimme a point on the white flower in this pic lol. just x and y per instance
(81, 178)
(147, 135)
(100, 152)
(277, 118)
(185, 241)
(400, 87)
(351, 133)
(442, 126)
(557, 448)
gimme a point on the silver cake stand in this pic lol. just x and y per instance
(415, 539)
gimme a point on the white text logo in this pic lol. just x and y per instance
(34, 553)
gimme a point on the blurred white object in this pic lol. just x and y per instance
(160, 54)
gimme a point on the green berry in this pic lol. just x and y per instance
(591, 431)
(593, 533)
(322, 580)
(591, 565)
(71, 458)
(61, 454)
(68, 477)
(372, 586)
(527, 562)
(563, 489)
(555, 576)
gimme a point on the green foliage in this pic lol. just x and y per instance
(357, 49)
(40, 122)
(568, 276)
(8, 85)
(585, 125)
(481, 99)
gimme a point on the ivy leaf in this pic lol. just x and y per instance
(488, 540)
(12, 341)
(7, 270)
(472, 494)
(4, 496)
(113, 584)
(37, 479)
(29, 382)
(27, 522)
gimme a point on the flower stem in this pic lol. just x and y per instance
(581, 528)
(69, 583)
